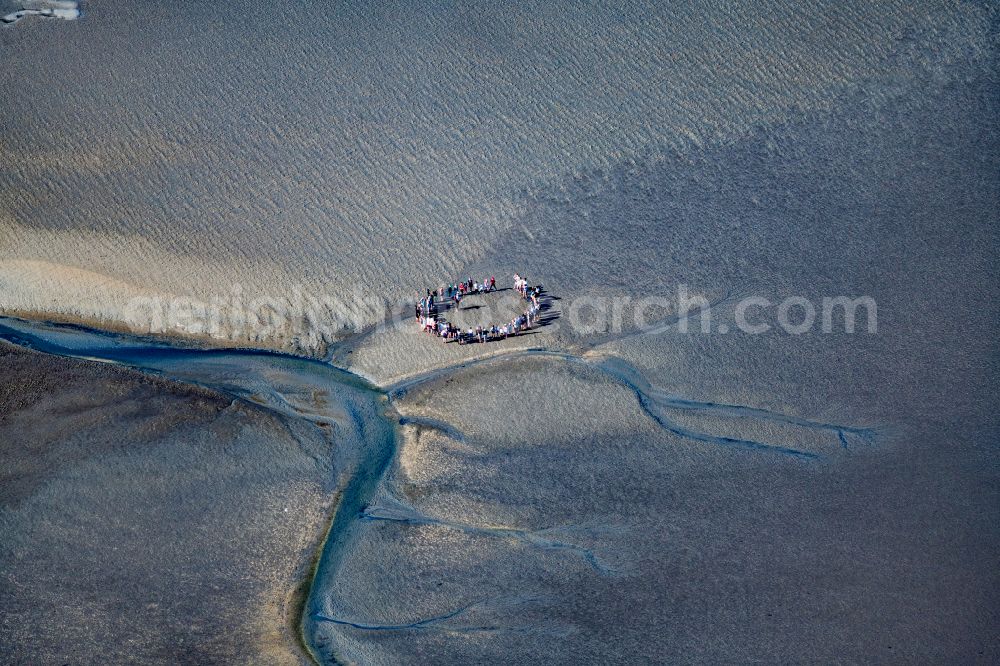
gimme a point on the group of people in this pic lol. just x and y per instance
(427, 310)
(454, 293)
(457, 291)
(530, 293)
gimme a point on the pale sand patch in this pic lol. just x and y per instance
(182, 167)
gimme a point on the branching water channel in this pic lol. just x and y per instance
(363, 429)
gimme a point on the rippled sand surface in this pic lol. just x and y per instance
(184, 150)
(569, 496)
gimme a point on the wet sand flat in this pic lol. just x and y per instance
(581, 494)
(148, 521)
